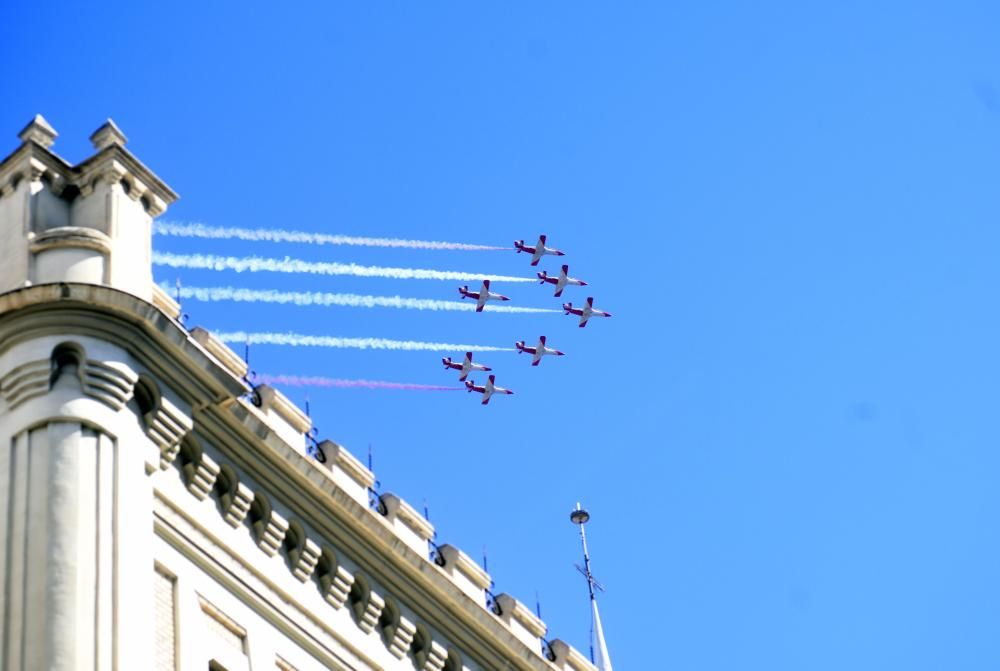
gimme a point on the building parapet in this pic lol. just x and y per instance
(568, 658)
(525, 624)
(411, 527)
(290, 423)
(465, 572)
(348, 472)
(218, 349)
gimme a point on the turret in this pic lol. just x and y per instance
(88, 223)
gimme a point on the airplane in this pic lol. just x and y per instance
(482, 295)
(465, 366)
(560, 281)
(486, 390)
(538, 250)
(538, 350)
(586, 312)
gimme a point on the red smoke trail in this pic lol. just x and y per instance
(337, 383)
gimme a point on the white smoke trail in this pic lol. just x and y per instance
(255, 264)
(338, 383)
(326, 299)
(196, 230)
(299, 340)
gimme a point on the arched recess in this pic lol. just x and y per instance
(421, 646)
(225, 487)
(334, 581)
(189, 457)
(454, 660)
(294, 544)
(67, 358)
(388, 621)
(146, 395)
(233, 497)
(358, 597)
(260, 515)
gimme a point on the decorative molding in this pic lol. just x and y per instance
(166, 425)
(235, 504)
(271, 533)
(109, 383)
(400, 637)
(26, 381)
(434, 658)
(76, 237)
(303, 558)
(201, 476)
(335, 585)
(369, 613)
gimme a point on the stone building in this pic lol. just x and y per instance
(156, 511)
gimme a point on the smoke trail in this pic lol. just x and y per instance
(322, 298)
(337, 383)
(255, 264)
(299, 340)
(196, 230)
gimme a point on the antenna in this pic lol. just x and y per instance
(312, 444)
(181, 315)
(580, 517)
(249, 376)
(538, 606)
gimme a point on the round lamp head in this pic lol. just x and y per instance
(579, 516)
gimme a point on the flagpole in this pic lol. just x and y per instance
(602, 660)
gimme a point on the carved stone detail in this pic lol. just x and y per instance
(272, 533)
(369, 616)
(109, 384)
(402, 637)
(305, 559)
(201, 476)
(25, 381)
(236, 504)
(435, 657)
(165, 428)
(336, 585)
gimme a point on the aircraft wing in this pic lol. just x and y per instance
(482, 301)
(560, 285)
(584, 316)
(487, 393)
(538, 357)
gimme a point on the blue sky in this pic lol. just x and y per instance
(787, 433)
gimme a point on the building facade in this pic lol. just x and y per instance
(156, 511)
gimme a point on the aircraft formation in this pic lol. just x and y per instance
(539, 350)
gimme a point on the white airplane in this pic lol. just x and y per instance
(465, 366)
(586, 312)
(537, 251)
(562, 281)
(487, 390)
(482, 295)
(538, 350)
